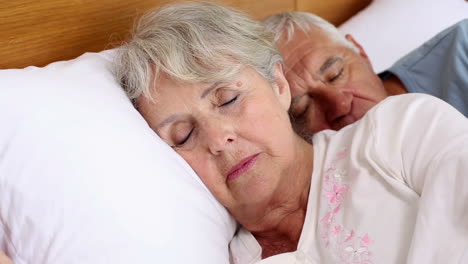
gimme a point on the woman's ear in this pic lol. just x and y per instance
(281, 87)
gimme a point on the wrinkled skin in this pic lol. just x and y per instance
(331, 85)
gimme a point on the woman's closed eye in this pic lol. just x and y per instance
(184, 139)
(181, 133)
(226, 96)
(229, 101)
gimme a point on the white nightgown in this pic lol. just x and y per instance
(391, 188)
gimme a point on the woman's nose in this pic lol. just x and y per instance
(219, 136)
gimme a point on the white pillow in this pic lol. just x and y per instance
(83, 179)
(389, 29)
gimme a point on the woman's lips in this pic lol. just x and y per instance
(243, 166)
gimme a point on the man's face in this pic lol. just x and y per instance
(331, 85)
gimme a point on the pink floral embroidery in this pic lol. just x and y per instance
(336, 230)
(341, 155)
(366, 240)
(336, 194)
(356, 254)
(346, 246)
(329, 217)
(349, 236)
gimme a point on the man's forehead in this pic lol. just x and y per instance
(302, 44)
(312, 35)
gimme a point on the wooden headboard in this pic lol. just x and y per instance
(37, 32)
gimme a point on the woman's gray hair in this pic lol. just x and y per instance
(288, 22)
(193, 42)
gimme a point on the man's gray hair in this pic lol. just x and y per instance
(193, 42)
(286, 23)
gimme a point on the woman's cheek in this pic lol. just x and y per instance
(253, 115)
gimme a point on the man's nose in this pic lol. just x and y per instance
(336, 102)
(219, 135)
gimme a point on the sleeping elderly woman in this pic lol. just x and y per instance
(391, 188)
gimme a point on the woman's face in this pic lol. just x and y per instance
(236, 135)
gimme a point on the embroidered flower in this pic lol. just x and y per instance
(341, 154)
(356, 255)
(349, 236)
(366, 240)
(357, 252)
(336, 194)
(339, 174)
(345, 246)
(329, 217)
(336, 230)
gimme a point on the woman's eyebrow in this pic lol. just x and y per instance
(328, 63)
(167, 121)
(209, 89)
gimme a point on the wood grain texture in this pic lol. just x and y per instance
(38, 32)
(335, 11)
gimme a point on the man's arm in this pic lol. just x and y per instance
(439, 67)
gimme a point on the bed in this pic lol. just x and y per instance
(83, 179)
(40, 32)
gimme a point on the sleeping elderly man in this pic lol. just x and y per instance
(332, 80)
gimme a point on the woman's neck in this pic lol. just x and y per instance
(280, 230)
(285, 237)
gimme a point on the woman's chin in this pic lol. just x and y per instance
(253, 195)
